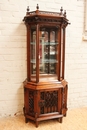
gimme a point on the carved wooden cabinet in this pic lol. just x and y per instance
(45, 90)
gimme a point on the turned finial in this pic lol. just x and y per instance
(61, 10)
(64, 13)
(37, 7)
(28, 9)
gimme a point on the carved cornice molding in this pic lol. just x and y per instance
(46, 17)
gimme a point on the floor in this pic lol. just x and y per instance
(76, 119)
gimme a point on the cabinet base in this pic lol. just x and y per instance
(45, 102)
(44, 117)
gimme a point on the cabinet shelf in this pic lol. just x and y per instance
(46, 43)
(45, 61)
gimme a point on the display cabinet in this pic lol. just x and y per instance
(45, 89)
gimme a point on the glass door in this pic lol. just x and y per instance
(43, 53)
(48, 53)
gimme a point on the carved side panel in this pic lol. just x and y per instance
(64, 100)
(31, 102)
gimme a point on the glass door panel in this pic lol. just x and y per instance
(42, 51)
(48, 52)
(33, 53)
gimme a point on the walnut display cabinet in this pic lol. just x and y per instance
(45, 90)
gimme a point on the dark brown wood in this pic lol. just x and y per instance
(28, 53)
(37, 53)
(63, 56)
(59, 54)
(45, 90)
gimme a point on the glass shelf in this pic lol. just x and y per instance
(33, 43)
(49, 43)
(46, 43)
(45, 61)
(33, 61)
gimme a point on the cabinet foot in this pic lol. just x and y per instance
(65, 114)
(24, 111)
(61, 120)
(26, 120)
(36, 123)
(36, 115)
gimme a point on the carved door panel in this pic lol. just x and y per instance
(49, 101)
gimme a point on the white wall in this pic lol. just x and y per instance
(13, 52)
